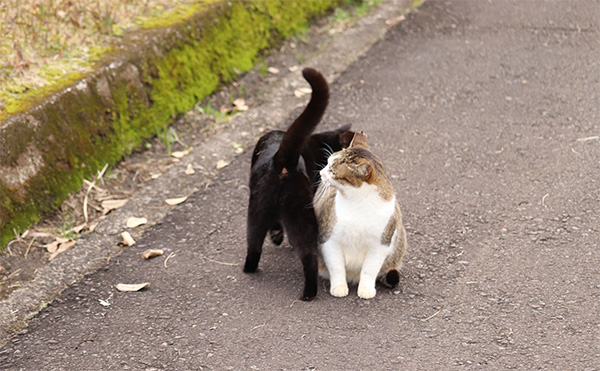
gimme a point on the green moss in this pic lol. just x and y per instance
(82, 131)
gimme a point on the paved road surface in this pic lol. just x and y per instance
(483, 113)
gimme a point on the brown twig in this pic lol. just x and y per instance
(89, 189)
(167, 259)
(430, 317)
(218, 262)
(29, 247)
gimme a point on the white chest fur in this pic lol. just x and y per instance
(361, 217)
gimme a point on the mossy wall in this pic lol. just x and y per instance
(48, 149)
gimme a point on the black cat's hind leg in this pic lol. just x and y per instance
(306, 247)
(276, 234)
(256, 230)
(300, 223)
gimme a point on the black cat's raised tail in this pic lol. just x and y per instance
(289, 151)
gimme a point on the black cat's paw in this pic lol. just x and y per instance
(276, 235)
(307, 298)
(251, 264)
(309, 293)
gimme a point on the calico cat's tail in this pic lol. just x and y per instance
(289, 150)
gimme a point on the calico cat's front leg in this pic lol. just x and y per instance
(370, 269)
(336, 266)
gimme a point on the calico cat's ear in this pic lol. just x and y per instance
(365, 171)
(359, 140)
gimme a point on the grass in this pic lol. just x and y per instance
(353, 10)
(44, 40)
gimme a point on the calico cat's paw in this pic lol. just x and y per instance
(365, 292)
(339, 291)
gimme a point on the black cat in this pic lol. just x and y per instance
(283, 178)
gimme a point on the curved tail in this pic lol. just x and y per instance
(289, 150)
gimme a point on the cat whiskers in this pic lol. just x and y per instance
(328, 150)
(320, 191)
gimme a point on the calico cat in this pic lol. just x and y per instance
(283, 178)
(361, 236)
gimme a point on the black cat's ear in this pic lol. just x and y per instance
(346, 137)
(343, 128)
(359, 140)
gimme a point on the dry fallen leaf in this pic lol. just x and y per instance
(392, 22)
(181, 154)
(77, 229)
(240, 104)
(302, 92)
(221, 164)
(239, 148)
(189, 170)
(175, 201)
(293, 68)
(108, 205)
(151, 253)
(53, 246)
(93, 226)
(273, 70)
(64, 246)
(127, 239)
(131, 287)
(39, 234)
(133, 222)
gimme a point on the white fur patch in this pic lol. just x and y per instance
(361, 219)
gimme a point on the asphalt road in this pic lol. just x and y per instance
(486, 116)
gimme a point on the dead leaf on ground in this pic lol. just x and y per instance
(39, 234)
(93, 226)
(273, 70)
(109, 205)
(300, 92)
(130, 287)
(222, 164)
(181, 154)
(240, 104)
(151, 253)
(392, 22)
(63, 247)
(189, 170)
(53, 246)
(127, 239)
(294, 68)
(133, 222)
(175, 201)
(77, 229)
(239, 148)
